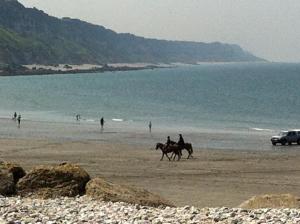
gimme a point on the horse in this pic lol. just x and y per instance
(188, 147)
(165, 150)
(174, 143)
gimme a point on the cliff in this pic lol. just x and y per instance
(28, 35)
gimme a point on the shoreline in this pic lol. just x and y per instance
(135, 133)
(26, 71)
(39, 69)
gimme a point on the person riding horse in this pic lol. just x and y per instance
(173, 148)
(181, 141)
(169, 142)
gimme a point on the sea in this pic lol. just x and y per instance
(212, 98)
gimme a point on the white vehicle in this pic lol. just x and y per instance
(286, 137)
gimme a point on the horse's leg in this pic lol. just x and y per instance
(179, 154)
(168, 157)
(172, 155)
(191, 154)
(162, 156)
(189, 151)
(192, 151)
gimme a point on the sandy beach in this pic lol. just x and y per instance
(214, 177)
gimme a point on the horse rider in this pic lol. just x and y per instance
(180, 141)
(168, 142)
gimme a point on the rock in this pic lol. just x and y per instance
(272, 201)
(216, 219)
(232, 214)
(64, 180)
(7, 184)
(17, 171)
(85, 209)
(100, 189)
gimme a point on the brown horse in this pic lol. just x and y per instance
(188, 147)
(171, 148)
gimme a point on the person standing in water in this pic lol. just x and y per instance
(15, 116)
(102, 123)
(19, 121)
(150, 126)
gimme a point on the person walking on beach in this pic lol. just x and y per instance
(15, 116)
(19, 121)
(102, 123)
(150, 126)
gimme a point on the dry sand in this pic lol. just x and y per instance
(212, 178)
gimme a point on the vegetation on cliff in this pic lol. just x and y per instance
(28, 35)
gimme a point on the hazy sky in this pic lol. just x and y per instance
(267, 28)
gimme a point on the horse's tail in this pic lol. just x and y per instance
(192, 150)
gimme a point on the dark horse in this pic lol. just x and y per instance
(171, 148)
(188, 147)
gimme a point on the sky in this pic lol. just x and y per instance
(267, 28)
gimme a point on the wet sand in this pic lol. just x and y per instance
(213, 178)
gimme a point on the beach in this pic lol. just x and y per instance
(59, 69)
(213, 178)
(228, 112)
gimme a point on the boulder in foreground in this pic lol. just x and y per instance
(16, 170)
(272, 201)
(64, 180)
(7, 185)
(100, 189)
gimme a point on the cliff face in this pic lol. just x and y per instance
(31, 36)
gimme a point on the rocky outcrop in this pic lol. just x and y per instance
(64, 180)
(16, 170)
(272, 201)
(69, 180)
(7, 185)
(100, 189)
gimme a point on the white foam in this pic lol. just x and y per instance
(261, 129)
(117, 119)
(90, 120)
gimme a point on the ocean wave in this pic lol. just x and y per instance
(89, 120)
(261, 129)
(117, 119)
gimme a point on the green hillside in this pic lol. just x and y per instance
(30, 36)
